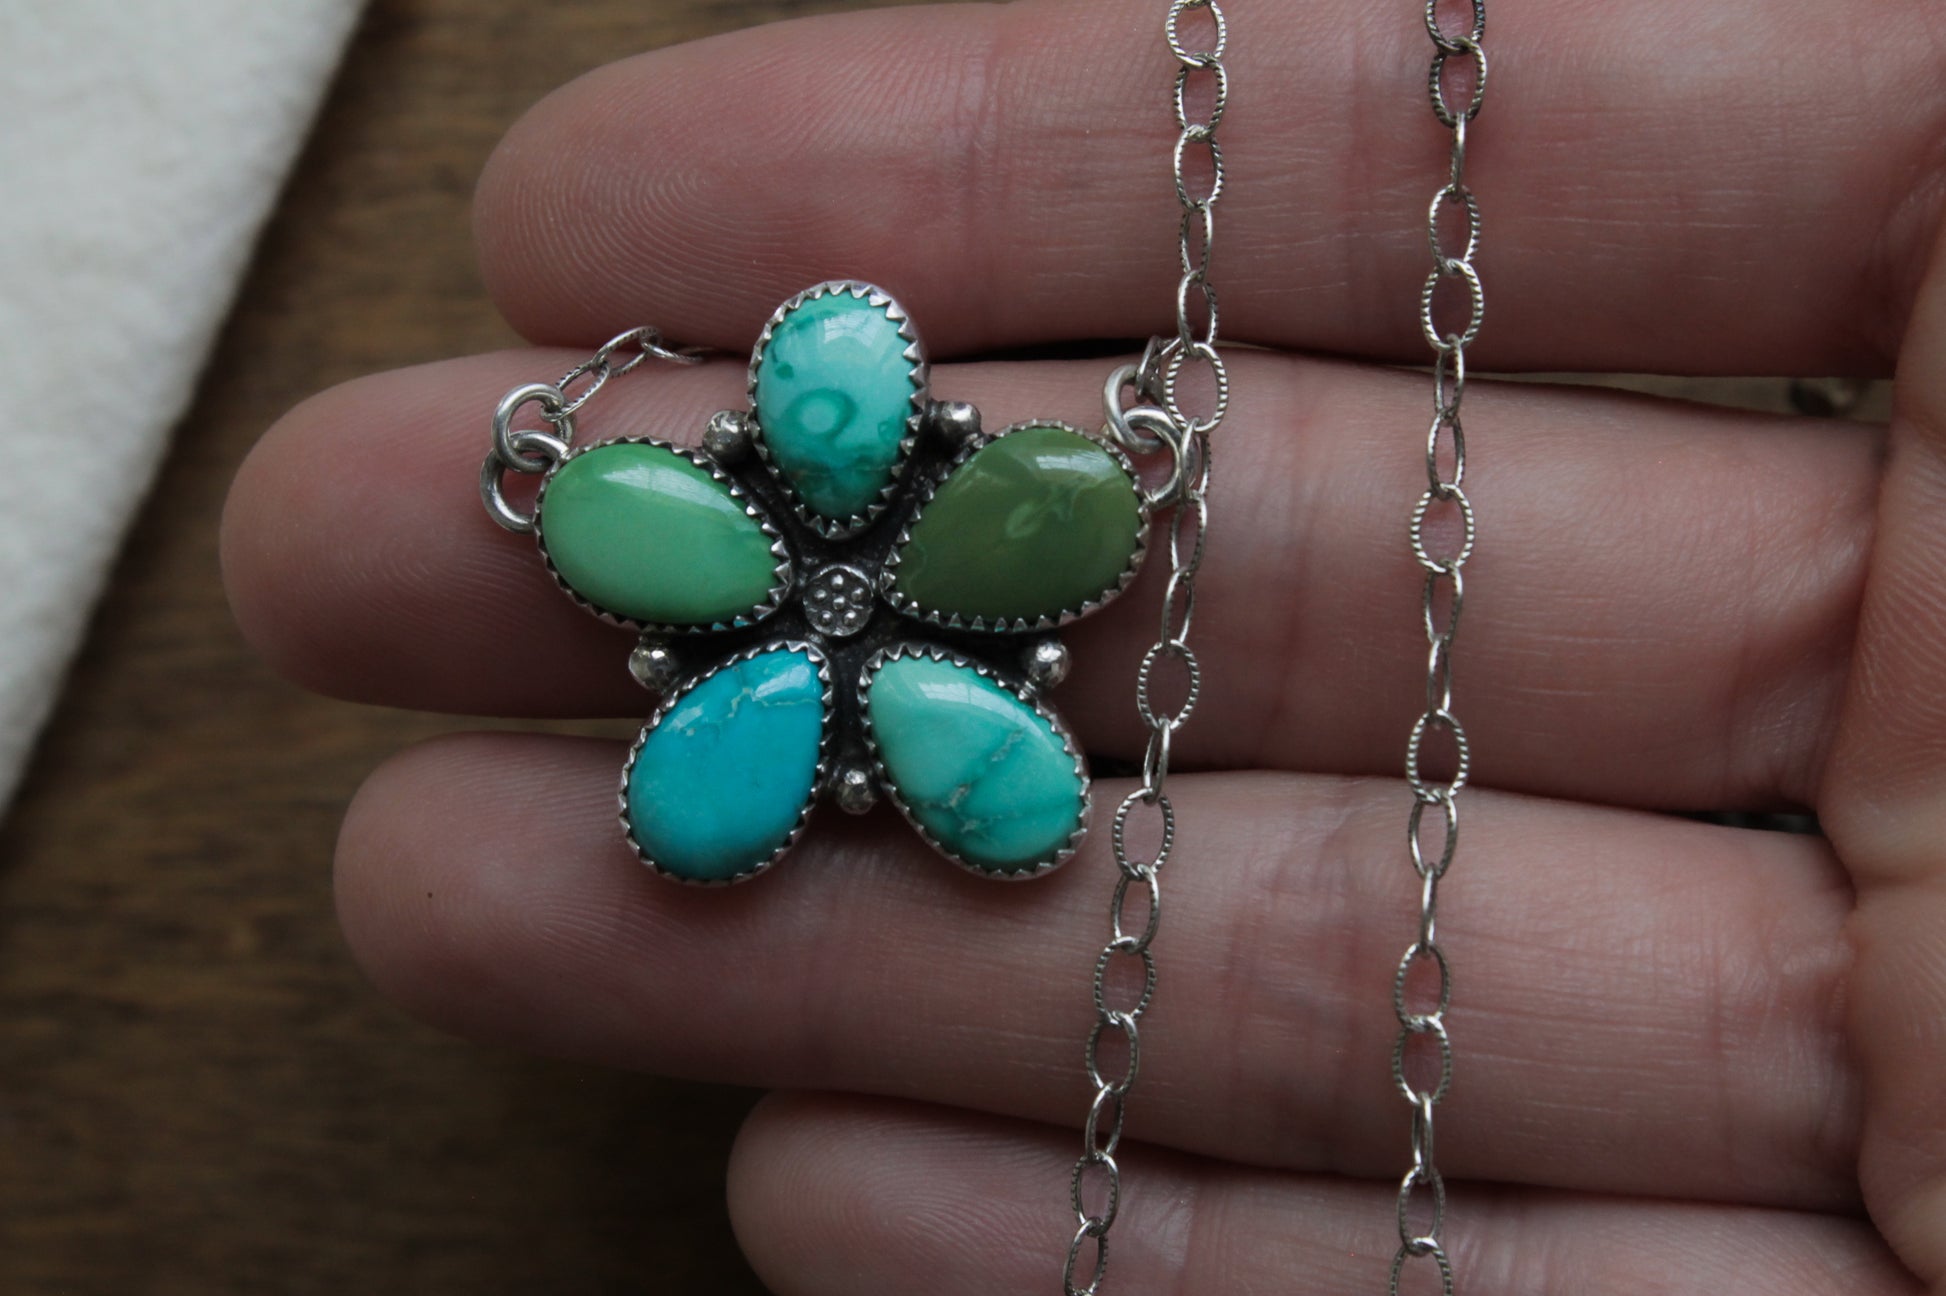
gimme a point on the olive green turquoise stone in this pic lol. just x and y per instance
(643, 532)
(982, 771)
(834, 391)
(1034, 524)
(722, 780)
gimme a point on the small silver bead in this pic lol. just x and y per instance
(727, 438)
(654, 666)
(954, 422)
(1046, 664)
(854, 790)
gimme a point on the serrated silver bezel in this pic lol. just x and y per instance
(936, 652)
(839, 528)
(1016, 625)
(819, 780)
(781, 574)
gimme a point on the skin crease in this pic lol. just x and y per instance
(1690, 1058)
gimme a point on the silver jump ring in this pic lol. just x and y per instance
(539, 445)
(1124, 433)
(553, 408)
(1145, 424)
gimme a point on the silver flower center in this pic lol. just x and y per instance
(838, 601)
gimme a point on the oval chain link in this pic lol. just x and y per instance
(1431, 845)
(1095, 1186)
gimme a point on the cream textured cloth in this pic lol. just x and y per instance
(141, 148)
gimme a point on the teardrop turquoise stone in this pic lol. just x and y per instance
(645, 533)
(985, 773)
(722, 780)
(834, 389)
(1036, 523)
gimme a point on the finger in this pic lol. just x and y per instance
(1644, 1005)
(1650, 202)
(1658, 612)
(832, 1195)
(1885, 806)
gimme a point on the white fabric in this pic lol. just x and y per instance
(141, 147)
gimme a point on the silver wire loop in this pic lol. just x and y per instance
(1146, 425)
(1137, 441)
(531, 446)
(552, 408)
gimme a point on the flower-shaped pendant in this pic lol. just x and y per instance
(849, 591)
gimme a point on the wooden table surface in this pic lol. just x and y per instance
(198, 1092)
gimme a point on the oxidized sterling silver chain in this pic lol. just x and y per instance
(1444, 586)
(1095, 1187)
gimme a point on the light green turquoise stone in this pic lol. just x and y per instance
(1036, 524)
(834, 391)
(984, 772)
(643, 532)
(722, 779)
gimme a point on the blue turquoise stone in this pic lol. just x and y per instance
(722, 780)
(833, 392)
(982, 771)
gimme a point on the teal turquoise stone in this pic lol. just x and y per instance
(645, 533)
(834, 391)
(722, 780)
(985, 773)
(1035, 525)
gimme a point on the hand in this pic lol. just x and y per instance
(1690, 1058)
